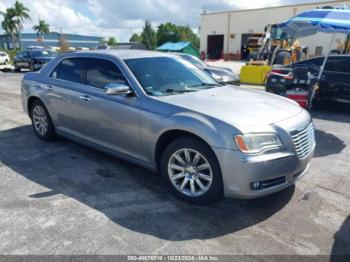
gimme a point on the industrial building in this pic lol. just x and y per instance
(225, 34)
(26, 40)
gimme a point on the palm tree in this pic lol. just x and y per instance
(42, 29)
(9, 24)
(13, 20)
(20, 13)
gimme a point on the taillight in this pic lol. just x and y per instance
(277, 71)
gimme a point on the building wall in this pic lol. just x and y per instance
(254, 21)
(51, 40)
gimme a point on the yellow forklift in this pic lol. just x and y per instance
(277, 48)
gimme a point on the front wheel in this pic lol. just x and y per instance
(32, 67)
(191, 171)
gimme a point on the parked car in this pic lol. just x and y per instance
(32, 59)
(334, 85)
(4, 58)
(161, 112)
(222, 75)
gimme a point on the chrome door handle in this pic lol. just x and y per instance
(84, 97)
(47, 87)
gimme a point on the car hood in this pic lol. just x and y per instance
(237, 106)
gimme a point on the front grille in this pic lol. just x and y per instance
(304, 140)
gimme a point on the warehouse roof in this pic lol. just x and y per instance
(321, 3)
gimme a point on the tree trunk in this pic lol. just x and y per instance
(42, 40)
(13, 40)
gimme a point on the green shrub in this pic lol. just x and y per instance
(11, 53)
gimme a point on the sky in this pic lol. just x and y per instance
(121, 18)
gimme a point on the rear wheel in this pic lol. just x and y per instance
(191, 171)
(41, 121)
(17, 69)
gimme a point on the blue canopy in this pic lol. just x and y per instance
(329, 20)
(170, 46)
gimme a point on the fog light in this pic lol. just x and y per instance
(259, 185)
(256, 185)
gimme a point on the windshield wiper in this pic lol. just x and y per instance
(205, 84)
(180, 91)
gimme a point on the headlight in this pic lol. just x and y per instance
(257, 143)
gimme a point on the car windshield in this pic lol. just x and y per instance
(160, 76)
(39, 53)
(193, 60)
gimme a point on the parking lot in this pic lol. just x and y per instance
(63, 198)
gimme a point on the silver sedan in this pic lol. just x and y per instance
(159, 111)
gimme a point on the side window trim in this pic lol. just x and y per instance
(84, 71)
(58, 69)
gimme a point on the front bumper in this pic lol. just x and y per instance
(274, 173)
(251, 176)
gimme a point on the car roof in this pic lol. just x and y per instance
(330, 56)
(126, 53)
(321, 57)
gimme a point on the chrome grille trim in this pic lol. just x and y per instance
(304, 141)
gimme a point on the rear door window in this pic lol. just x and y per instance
(100, 72)
(313, 62)
(338, 64)
(69, 70)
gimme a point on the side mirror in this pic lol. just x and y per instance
(117, 89)
(54, 75)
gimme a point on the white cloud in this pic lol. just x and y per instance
(58, 14)
(244, 4)
(120, 18)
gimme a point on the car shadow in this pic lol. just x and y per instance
(333, 112)
(130, 196)
(341, 245)
(327, 144)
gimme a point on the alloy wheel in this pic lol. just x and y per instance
(190, 172)
(40, 120)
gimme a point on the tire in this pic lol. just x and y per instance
(41, 121)
(175, 173)
(17, 69)
(31, 67)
